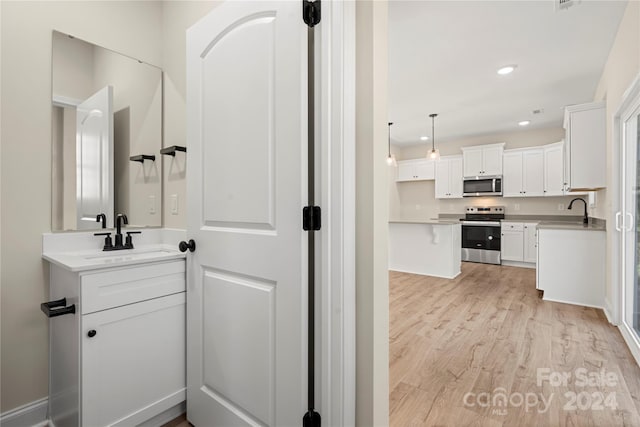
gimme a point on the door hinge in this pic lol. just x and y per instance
(311, 12)
(311, 218)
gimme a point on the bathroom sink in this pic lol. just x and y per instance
(97, 259)
(129, 255)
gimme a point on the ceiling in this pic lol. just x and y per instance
(444, 57)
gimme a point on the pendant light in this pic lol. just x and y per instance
(434, 154)
(391, 159)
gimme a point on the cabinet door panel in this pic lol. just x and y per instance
(425, 170)
(492, 160)
(512, 178)
(472, 162)
(442, 179)
(532, 173)
(135, 359)
(511, 246)
(405, 172)
(554, 171)
(530, 244)
(455, 177)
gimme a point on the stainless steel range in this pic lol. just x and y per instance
(481, 234)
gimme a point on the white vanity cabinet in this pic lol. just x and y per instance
(482, 160)
(120, 358)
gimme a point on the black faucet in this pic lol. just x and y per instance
(120, 219)
(102, 218)
(585, 220)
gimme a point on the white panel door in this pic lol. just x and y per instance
(512, 178)
(442, 183)
(472, 162)
(94, 158)
(512, 245)
(554, 170)
(533, 173)
(247, 175)
(492, 160)
(530, 242)
(455, 177)
(133, 358)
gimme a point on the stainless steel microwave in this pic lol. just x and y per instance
(482, 186)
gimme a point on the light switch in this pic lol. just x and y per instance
(174, 204)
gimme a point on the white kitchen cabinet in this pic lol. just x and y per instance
(523, 173)
(571, 267)
(512, 242)
(585, 146)
(482, 160)
(554, 169)
(518, 242)
(120, 357)
(415, 170)
(530, 242)
(448, 177)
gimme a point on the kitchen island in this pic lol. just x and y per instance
(430, 247)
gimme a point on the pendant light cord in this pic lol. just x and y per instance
(389, 139)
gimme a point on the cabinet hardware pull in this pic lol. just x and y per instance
(92, 333)
(51, 308)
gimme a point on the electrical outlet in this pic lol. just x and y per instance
(560, 206)
(516, 207)
(174, 204)
(152, 205)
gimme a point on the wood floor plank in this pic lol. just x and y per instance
(487, 331)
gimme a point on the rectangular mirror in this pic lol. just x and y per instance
(106, 137)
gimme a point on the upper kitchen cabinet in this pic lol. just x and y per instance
(415, 170)
(449, 177)
(585, 146)
(482, 160)
(523, 175)
(554, 169)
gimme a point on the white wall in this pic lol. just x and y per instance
(622, 66)
(416, 200)
(372, 281)
(26, 34)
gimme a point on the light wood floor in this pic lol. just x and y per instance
(488, 329)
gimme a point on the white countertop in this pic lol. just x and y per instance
(427, 221)
(566, 225)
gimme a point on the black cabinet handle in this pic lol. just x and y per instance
(183, 246)
(92, 333)
(57, 308)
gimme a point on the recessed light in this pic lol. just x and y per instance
(507, 69)
(424, 138)
(524, 123)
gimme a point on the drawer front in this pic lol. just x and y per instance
(118, 287)
(512, 226)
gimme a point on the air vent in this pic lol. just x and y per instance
(538, 111)
(565, 4)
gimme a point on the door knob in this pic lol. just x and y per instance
(183, 246)
(92, 333)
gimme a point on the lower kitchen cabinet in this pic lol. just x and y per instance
(518, 243)
(571, 266)
(120, 358)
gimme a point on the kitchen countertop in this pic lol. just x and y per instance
(427, 221)
(571, 225)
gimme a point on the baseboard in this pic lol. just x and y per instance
(166, 416)
(607, 312)
(573, 303)
(423, 274)
(31, 414)
(518, 264)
